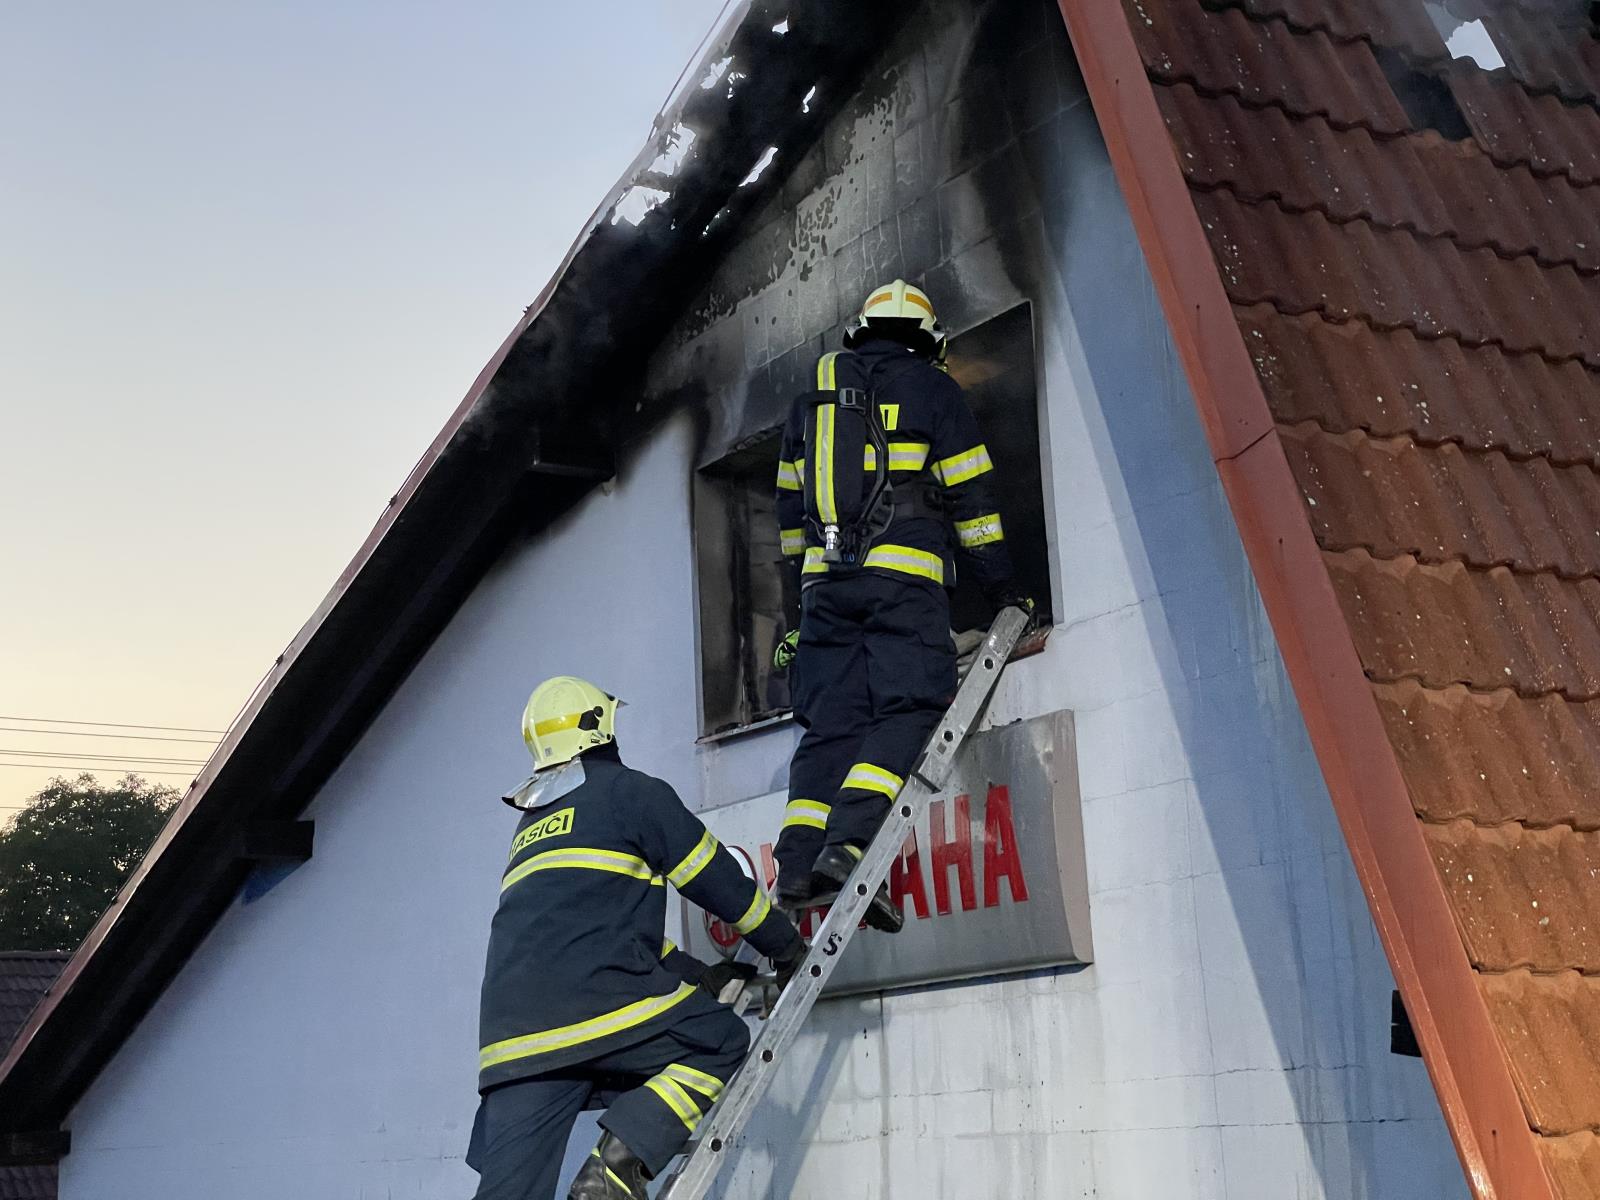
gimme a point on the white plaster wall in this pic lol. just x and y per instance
(1231, 1038)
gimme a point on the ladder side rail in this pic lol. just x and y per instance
(728, 1117)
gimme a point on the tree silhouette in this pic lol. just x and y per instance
(63, 856)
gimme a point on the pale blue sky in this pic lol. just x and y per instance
(251, 256)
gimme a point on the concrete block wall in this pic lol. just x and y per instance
(1231, 1039)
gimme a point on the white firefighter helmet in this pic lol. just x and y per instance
(901, 310)
(566, 716)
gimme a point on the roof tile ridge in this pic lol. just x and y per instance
(1426, 335)
(1443, 563)
(1502, 74)
(1499, 249)
(1177, 78)
(1281, 16)
(1530, 826)
(1180, 78)
(1541, 974)
(1510, 693)
(1313, 427)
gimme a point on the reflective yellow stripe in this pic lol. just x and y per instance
(811, 813)
(708, 1086)
(788, 477)
(675, 1098)
(903, 456)
(826, 377)
(792, 541)
(529, 1044)
(694, 862)
(980, 531)
(557, 724)
(755, 914)
(907, 560)
(868, 778)
(584, 858)
(959, 468)
(827, 508)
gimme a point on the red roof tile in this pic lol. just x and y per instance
(1514, 126)
(1265, 62)
(1573, 1163)
(1420, 313)
(1523, 897)
(1553, 1045)
(1420, 182)
(1303, 262)
(1441, 504)
(1495, 756)
(1448, 624)
(1351, 376)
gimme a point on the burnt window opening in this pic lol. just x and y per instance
(1426, 98)
(744, 591)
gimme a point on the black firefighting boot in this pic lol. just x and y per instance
(611, 1173)
(829, 874)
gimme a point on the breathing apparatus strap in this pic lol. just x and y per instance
(846, 505)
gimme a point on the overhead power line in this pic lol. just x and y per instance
(92, 770)
(35, 752)
(82, 733)
(109, 724)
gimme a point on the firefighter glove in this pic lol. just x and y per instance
(783, 656)
(718, 976)
(789, 963)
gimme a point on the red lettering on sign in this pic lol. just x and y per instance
(952, 852)
(905, 878)
(1000, 857)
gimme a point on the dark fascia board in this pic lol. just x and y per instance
(545, 397)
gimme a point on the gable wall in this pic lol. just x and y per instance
(1231, 1038)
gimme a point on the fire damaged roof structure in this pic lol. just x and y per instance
(1380, 265)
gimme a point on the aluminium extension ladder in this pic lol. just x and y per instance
(726, 1121)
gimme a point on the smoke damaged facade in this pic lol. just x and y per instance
(1230, 1037)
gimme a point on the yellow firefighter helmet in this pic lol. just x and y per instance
(901, 310)
(566, 716)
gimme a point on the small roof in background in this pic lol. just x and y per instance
(25, 976)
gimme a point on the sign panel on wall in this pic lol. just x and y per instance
(992, 878)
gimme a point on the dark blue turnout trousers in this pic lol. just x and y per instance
(874, 672)
(657, 1091)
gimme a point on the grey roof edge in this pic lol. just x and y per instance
(468, 492)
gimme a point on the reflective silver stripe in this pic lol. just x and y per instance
(868, 778)
(792, 541)
(755, 914)
(908, 560)
(903, 456)
(581, 858)
(694, 862)
(810, 813)
(827, 508)
(788, 477)
(813, 563)
(708, 1086)
(980, 531)
(675, 1098)
(528, 1045)
(959, 468)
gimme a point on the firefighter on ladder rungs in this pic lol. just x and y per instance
(879, 467)
(584, 1001)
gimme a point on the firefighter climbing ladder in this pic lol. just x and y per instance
(726, 1121)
